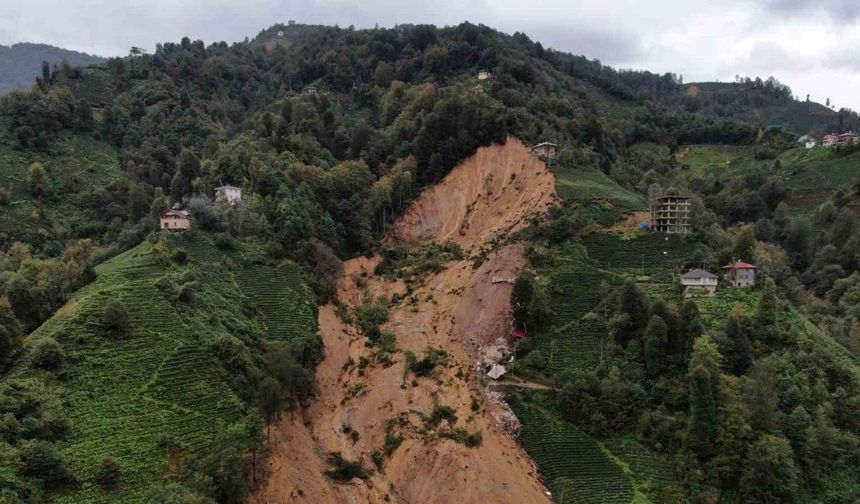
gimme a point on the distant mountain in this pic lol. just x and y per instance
(21, 63)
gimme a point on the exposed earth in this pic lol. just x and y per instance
(459, 310)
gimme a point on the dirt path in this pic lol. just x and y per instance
(459, 310)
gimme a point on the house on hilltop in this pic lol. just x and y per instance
(671, 214)
(739, 274)
(312, 90)
(484, 75)
(698, 282)
(545, 150)
(175, 220)
(228, 194)
(808, 141)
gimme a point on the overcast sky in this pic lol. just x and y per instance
(809, 45)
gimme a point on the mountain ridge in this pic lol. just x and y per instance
(21, 62)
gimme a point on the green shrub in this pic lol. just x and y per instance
(41, 460)
(462, 436)
(440, 413)
(424, 367)
(345, 470)
(180, 256)
(48, 354)
(108, 473)
(370, 316)
(115, 319)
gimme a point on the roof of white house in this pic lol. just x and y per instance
(227, 186)
(805, 138)
(497, 371)
(545, 144)
(698, 273)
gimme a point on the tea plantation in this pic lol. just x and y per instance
(76, 165)
(581, 281)
(574, 466)
(157, 394)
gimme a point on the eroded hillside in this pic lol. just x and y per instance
(426, 425)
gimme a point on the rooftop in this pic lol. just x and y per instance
(698, 273)
(739, 265)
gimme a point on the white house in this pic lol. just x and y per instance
(807, 140)
(228, 194)
(484, 75)
(698, 282)
(497, 371)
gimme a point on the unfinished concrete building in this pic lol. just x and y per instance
(671, 214)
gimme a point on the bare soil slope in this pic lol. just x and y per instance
(459, 310)
(486, 197)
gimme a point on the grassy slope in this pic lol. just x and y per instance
(810, 175)
(578, 468)
(95, 163)
(798, 116)
(162, 386)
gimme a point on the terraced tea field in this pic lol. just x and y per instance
(160, 385)
(657, 255)
(91, 163)
(602, 200)
(283, 298)
(574, 290)
(652, 474)
(575, 347)
(574, 466)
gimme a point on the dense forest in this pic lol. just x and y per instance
(331, 132)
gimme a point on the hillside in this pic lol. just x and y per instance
(165, 392)
(753, 102)
(412, 377)
(21, 63)
(76, 169)
(327, 336)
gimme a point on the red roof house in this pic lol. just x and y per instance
(739, 274)
(518, 332)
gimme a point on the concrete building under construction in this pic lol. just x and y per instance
(670, 214)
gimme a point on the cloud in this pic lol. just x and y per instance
(841, 11)
(609, 46)
(770, 58)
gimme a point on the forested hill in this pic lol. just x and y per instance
(331, 133)
(21, 63)
(769, 102)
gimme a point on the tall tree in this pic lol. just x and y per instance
(632, 303)
(655, 337)
(770, 474)
(704, 377)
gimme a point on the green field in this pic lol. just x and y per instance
(602, 200)
(810, 175)
(160, 390)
